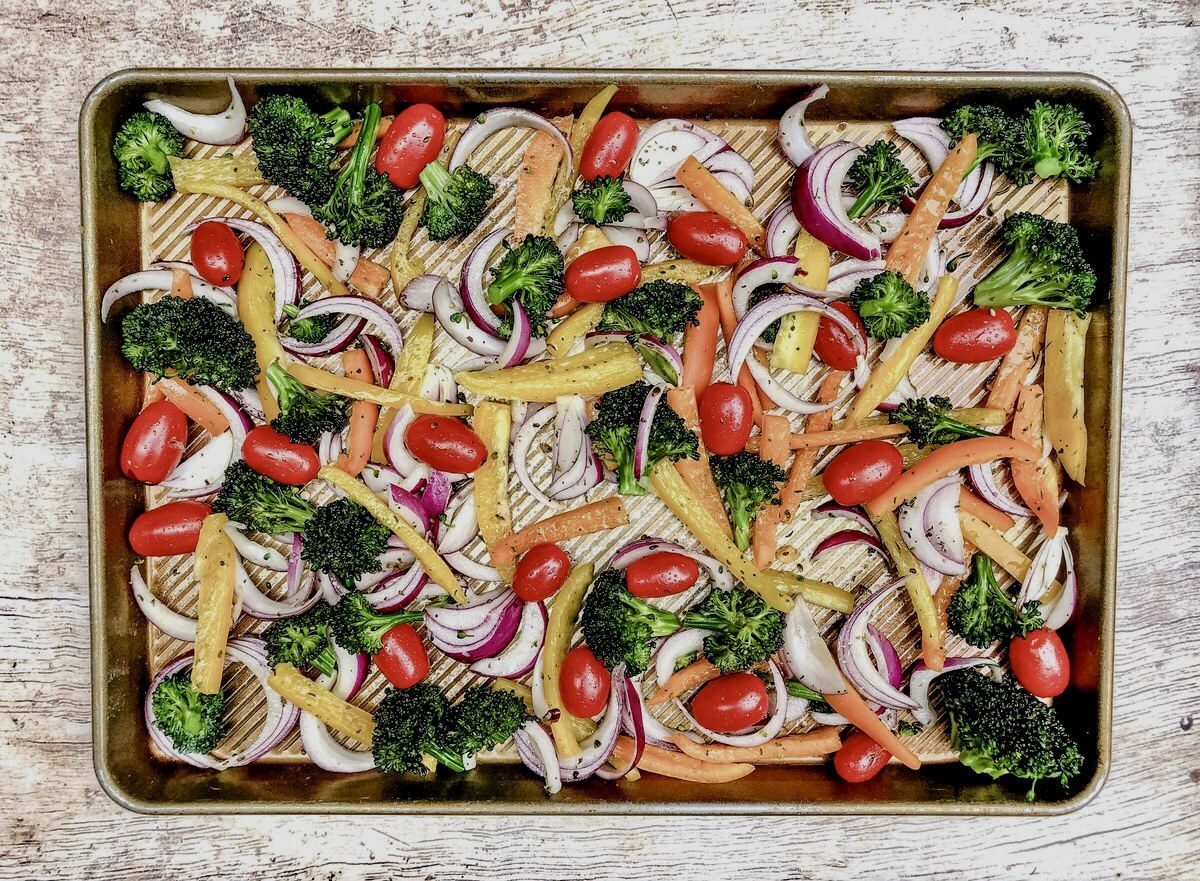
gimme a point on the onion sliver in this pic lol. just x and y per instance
(460, 514)
(170, 622)
(807, 656)
(226, 127)
(495, 119)
(845, 537)
(852, 513)
(519, 657)
(604, 740)
(793, 136)
(678, 645)
(782, 229)
(641, 443)
(921, 676)
(817, 201)
(418, 293)
(518, 341)
(913, 517)
(383, 365)
(928, 136)
(468, 568)
(190, 269)
(533, 742)
(240, 423)
(854, 657)
(257, 554)
(359, 307)
(766, 270)
(160, 280)
(204, 470)
(984, 482)
(522, 441)
(448, 307)
(263, 607)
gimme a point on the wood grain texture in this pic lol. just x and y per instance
(54, 820)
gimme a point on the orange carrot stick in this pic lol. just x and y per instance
(702, 184)
(195, 406)
(351, 139)
(1036, 482)
(535, 180)
(855, 710)
(369, 277)
(696, 473)
(837, 436)
(682, 681)
(564, 306)
(729, 322)
(820, 742)
(669, 763)
(805, 459)
(990, 515)
(1020, 359)
(181, 284)
(363, 416)
(773, 448)
(700, 342)
(594, 517)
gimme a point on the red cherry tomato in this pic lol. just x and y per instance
(707, 238)
(403, 659)
(583, 683)
(609, 147)
(661, 575)
(541, 572)
(726, 418)
(445, 443)
(860, 758)
(412, 141)
(173, 528)
(1040, 663)
(603, 274)
(154, 443)
(862, 471)
(276, 456)
(217, 254)
(731, 703)
(975, 336)
(834, 345)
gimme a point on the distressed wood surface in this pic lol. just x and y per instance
(54, 820)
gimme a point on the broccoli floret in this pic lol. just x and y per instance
(601, 201)
(880, 177)
(261, 503)
(302, 640)
(747, 482)
(614, 432)
(190, 339)
(1000, 728)
(660, 308)
(763, 292)
(295, 147)
(364, 208)
(358, 627)
(888, 305)
(816, 701)
(141, 148)
(456, 201)
(313, 329)
(304, 415)
(929, 423)
(483, 718)
(1055, 145)
(743, 629)
(982, 614)
(999, 134)
(408, 727)
(343, 539)
(192, 720)
(531, 273)
(1046, 268)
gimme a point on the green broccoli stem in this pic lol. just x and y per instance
(1008, 276)
(354, 176)
(435, 178)
(945, 423)
(505, 286)
(450, 760)
(325, 661)
(865, 200)
(285, 386)
(739, 512)
(339, 120)
(661, 622)
(378, 625)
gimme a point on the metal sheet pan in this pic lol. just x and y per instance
(120, 237)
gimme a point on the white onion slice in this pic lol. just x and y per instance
(534, 736)
(678, 645)
(495, 119)
(160, 280)
(205, 468)
(793, 136)
(226, 127)
(259, 555)
(170, 622)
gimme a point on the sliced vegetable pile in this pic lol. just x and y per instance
(574, 336)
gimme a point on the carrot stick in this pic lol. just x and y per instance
(363, 416)
(1036, 482)
(682, 681)
(724, 293)
(700, 342)
(837, 436)
(351, 139)
(564, 306)
(774, 448)
(668, 763)
(990, 515)
(702, 184)
(821, 742)
(855, 709)
(194, 405)
(181, 284)
(946, 460)
(535, 180)
(802, 465)
(696, 473)
(907, 253)
(594, 517)
(369, 277)
(1020, 359)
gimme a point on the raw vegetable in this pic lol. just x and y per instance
(405, 267)
(1066, 428)
(412, 140)
(216, 254)
(684, 680)
(888, 305)
(697, 473)
(700, 342)
(862, 471)
(729, 323)
(609, 147)
(1046, 268)
(975, 336)
(142, 146)
(195, 405)
(603, 274)
(409, 726)
(726, 418)
(295, 147)
(363, 416)
(412, 363)
(1000, 550)
(234, 171)
(748, 483)
(930, 423)
(154, 443)
(493, 424)
(1019, 361)
(706, 237)
(806, 459)
(702, 184)
(584, 520)
(445, 444)
(343, 539)
(687, 271)
(191, 720)
(213, 567)
(798, 331)
(541, 571)
(982, 614)
(260, 503)
(368, 277)
(933, 637)
(1036, 482)
(589, 374)
(531, 274)
(972, 504)
(455, 202)
(1040, 663)
(635, 440)
(581, 133)
(584, 683)
(302, 641)
(858, 713)
(294, 687)
(359, 628)
(323, 380)
(256, 309)
(1055, 145)
(880, 178)
(860, 758)
(730, 703)
(601, 201)
(667, 763)
(660, 308)
(774, 449)
(559, 632)
(999, 134)
(304, 415)
(573, 328)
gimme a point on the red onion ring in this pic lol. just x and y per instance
(928, 136)
(632, 720)
(845, 537)
(226, 127)
(190, 269)
(436, 494)
(817, 201)
(853, 655)
(536, 750)
(473, 289)
(170, 622)
(678, 645)
(261, 606)
(495, 119)
(797, 146)
(418, 293)
(782, 229)
(915, 514)
(240, 423)
(519, 657)
(730, 161)
(358, 307)
(1062, 609)
(409, 507)
(852, 513)
(463, 525)
(887, 659)
(677, 139)
(494, 632)
(204, 471)
(259, 555)
(382, 363)
(984, 482)
(641, 444)
(604, 741)
(468, 568)
(295, 564)
(765, 270)
(351, 672)
(399, 590)
(449, 309)
(337, 340)
(160, 280)
(806, 654)
(518, 342)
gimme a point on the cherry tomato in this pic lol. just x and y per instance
(731, 703)
(834, 345)
(583, 683)
(862, 471)
(173, 528)
(609, 147)
(217, 254)
(661, 575)
(445, 443)
(707, 238)
(860, 758)
(403, 659)
(1040, 663)
(726, 418)
(603, 274)
(541, 572)
(154, 443)
(276, 456)
(412, 141)
(975, 336)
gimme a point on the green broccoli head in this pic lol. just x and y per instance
(743, 630)
(888, 305)
(982, 614)
(192, 720)
(614, 432)
(457, 202)
(1055, 140)
(747, 482)
(880, 178)
(408, 726)
(1046, 268)
(357, 627)
(296, 148)
(261, 503)
(929, 422)
(660, 308)
(302, 640)
(141, 147)
(999, 134)
(532, 274)
(343, 539)
(620, 628)
(191, 339)
(483, 718)
(313, 329)
(602, 200)
(304, 415)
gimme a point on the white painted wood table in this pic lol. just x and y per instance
(54, 820)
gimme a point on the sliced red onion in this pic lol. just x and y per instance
(854, 655)
(170, 622)
(474, 289)
(391, 561)
(806, 654)
(921, 676)
(476, 614)
(817, 201)
(662, 358)
(522, 442)
(604, 740)
(204, 470)
(240, 423)
(495, 119)
(295, 564)
(436, 494)
(438, 384)
(767, 732)
(263, 607)
(449, 309)
(332, 589)
(943, 518)
(642, 200)
(678, 645)
(641, 443)
(632, 721)
(664, 146)
(468, 568)
(358, 307)
(160, 280)
(887, 225)
(673, 197)
(399, 590)
(793, 136)
(852, 513)
(326, 753)
(289, 205)
(418, 293)
(1043, 568)
(462, 523)
(522, 653)
(887, 659)
(845, 276)
(351, 672)
(190, 269)
(933, 578)
(766, 270)
(518, 342)
(283, 262)
(593, 476)
(259, 555)
(382, 363)
(537, 752)
(933, 268)
(489, 638)
(782, 229)
(394, 448)
(345, 260)
(337, 340)
(409, 507)
(928, 136)
(984, 483)
(845, 537)
(379, 478)
(572, 452)
(1062, 609)
(226, 127)
(730, 161)
(780, 395)
(942, 524)
(722, 578)
(634, 239)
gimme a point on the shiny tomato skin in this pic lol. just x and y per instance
(541, 572)
(217, 254)
(445, 443)
(173, 528)
(609, 147)
(583, 683)
(403, 659)
(834, 345)
(707, 238)
(726, 418)
(663, 574)
(730, 703)
(154, 444)
(1040, 663)
(603, 274)
(412, 141)
(975, 336)
(860, 758)
(862, 471)
(276, 456)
